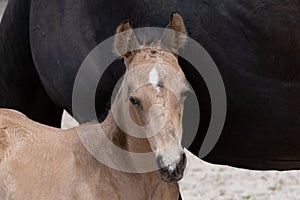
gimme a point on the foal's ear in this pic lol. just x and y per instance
(174, 40)
(125, 40)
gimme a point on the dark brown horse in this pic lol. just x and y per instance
(255, 44)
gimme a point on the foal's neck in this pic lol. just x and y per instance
(122, 139)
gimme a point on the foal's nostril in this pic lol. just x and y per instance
(159, 162)
(182, 162)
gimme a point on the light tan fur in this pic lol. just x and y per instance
(41, 162)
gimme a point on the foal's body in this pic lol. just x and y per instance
(41, 162)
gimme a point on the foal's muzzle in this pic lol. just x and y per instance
(173, 172)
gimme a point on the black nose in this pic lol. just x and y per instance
(169, 173)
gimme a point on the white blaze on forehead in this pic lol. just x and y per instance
(153, 78)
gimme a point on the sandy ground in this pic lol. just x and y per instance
(212, 182)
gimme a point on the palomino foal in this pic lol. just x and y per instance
(41, 162)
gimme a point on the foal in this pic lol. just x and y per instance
(41, 162)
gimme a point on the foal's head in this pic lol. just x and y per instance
(152, 93)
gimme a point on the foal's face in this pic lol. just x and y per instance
(153, 89)
(157, 105)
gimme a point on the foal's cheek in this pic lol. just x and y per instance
(134, 115)
(137, 115)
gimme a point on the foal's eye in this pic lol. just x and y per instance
(134, 101)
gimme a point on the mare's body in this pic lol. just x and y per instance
(255, 45)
